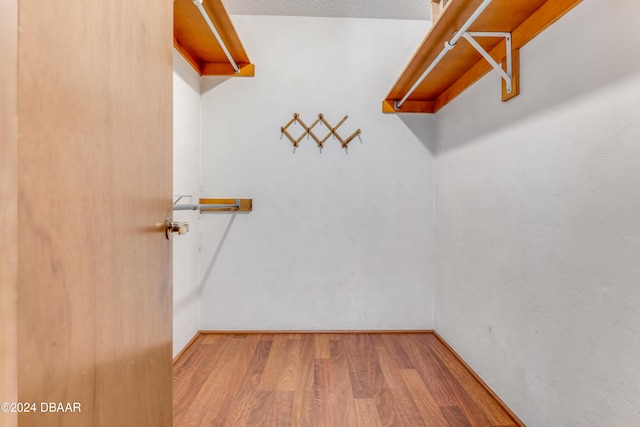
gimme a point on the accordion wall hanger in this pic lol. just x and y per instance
(308, 132)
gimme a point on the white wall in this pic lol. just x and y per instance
(538, 224)
(186, 172)
(335, 241)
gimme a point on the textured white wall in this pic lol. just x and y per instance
(538, 224)
(335, 241)
(186, 172)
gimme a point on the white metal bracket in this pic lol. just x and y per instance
(506, 75)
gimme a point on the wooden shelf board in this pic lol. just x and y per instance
(409, 107)
(463, 65)
(246, 205)
(217, 69)
(193, 38)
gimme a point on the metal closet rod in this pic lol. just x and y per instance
(195, 207)
(212, 27)
(447, 47)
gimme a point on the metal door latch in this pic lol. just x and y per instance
(172, 226)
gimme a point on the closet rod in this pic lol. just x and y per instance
(204, 14)
(195, 207)
(447, 47)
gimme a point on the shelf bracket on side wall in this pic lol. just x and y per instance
(510, 75)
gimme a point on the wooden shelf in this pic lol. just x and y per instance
(463, 65)
(193, 38)
(246, 205)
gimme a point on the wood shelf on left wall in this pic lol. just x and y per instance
(197, 44)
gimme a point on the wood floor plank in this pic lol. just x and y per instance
(367, 413)
(393, 345)
(430, 371)
(249, 404)
(393, 361)
(261, 415)
(267, 337)
(186, 362)
(288, 378)
(387, 368)
(332, 380)
(212, 338)
(221, 385)
(393, 403)
(455, 417)
(254, 372)
(321, 346)
(228, 381)
(191, 376)
(189, 361)
(474, 413)
(334, 397)
(184, 355)
(427, 406)
(246, 401)
(321, 392)
(390, 411)
(405, 406)
(492, 409)
(345, 405)
(303, 401)
(362, 363)
(275, 363)
(282, 408)
(296, 335)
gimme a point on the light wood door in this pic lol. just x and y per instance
(94, 186)
(8, 205)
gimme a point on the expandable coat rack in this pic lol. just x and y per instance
(309, 132)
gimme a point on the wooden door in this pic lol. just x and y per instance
(94, 186)
(8, 205)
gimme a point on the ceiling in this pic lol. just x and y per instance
(381, 9)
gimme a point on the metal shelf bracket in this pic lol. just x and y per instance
(507, 75)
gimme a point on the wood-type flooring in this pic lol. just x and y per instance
(328, 380)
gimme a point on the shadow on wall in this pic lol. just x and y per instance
(200, 84)
(209, 82)
(188, 299)
(183, 70)
(423, 127)
(569, 60)
(216, 254)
